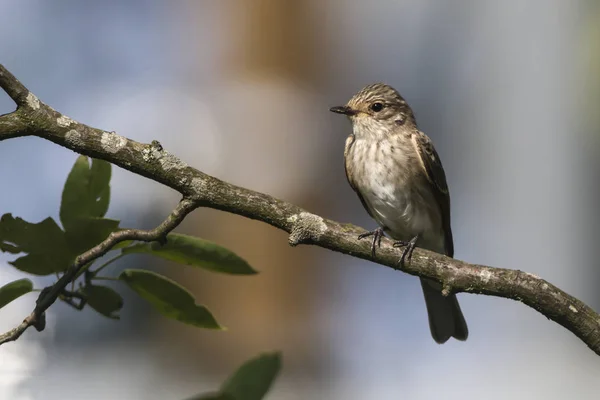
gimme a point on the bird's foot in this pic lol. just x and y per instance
(377, 235)
(407, 253)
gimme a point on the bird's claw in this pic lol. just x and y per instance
(377, 235)
(408, 251)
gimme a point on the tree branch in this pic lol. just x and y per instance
(202, 190)
(14, 88)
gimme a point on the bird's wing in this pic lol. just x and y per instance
(437, 177)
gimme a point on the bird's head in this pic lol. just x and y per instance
(377, 110)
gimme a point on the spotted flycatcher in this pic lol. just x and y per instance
(400, 181)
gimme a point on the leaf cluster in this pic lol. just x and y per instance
(47, 248)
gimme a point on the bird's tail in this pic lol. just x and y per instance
(445, 317)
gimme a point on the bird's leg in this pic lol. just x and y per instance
(377, 235)
(410, 247)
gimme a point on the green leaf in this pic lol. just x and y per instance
(89, 232)
(26, 236)
(100, 187)
(40, 264)
(104, 300)
(251, 381)
(85, 200)
(254, 378)
(45, 243)
(86, 192)
(169, 298)
(9, 248)
(194, 251)
(13, 290)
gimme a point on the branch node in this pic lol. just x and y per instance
(485, 275)
(162, 239)
(446, 290)
(32, 101)
(156, 145)
(73, 138)
(64, 121)
(306, 228)
(39, 322)
(111, 142)
(43, 295)
(573, 309)
(152, 151)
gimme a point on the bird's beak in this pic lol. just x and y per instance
(343, 110)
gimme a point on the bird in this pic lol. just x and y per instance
(398, 176)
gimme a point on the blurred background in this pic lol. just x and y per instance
(509, 92)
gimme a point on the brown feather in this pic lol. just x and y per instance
(430, 160)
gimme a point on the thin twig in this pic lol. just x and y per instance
(15, 89)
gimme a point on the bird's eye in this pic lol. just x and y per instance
(376, 107)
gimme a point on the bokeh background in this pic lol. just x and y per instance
(509, 92)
